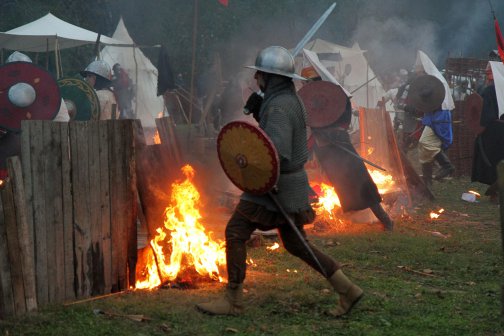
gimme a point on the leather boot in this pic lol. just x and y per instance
(349, 293)
(427, 174)
(230, 304)
(447, 168)
(383, 216)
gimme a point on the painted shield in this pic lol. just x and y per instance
(248, 157)
(324, 101)
(27, 92)
(81, 99)
(426, 93)
(472, 112)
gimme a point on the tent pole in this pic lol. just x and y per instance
(136, 81)
(367, 84)
(193, 65)
(56, 57)
(47, 55)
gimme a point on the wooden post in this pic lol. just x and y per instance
(26, 253)
(6, 294)
(500, 181)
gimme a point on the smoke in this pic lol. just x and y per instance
(392, 43)
(393, 31)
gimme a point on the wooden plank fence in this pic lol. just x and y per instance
(17, 272)
(81, 206)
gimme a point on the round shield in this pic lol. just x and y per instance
(81, 99)
(248, 157)
(426, 93)
(324, 101)
(472, 112)
(27, 92)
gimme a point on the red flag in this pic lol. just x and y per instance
(500, 40)
(223, 2)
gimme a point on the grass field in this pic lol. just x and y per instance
(428, 277)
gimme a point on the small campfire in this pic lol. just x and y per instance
(181, 252)
(328, 206)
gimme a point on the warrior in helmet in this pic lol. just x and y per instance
(332, 146)
(21, 95)
(99, 75)
(283, 118)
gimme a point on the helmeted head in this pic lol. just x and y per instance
(276, 60)
(17, 56)
(21, 94)
(98, 68)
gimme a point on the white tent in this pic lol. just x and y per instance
(50, 33)
(141, 71)
(350, 59)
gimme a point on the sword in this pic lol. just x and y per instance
(296, 230)
(313, 30)
(359, 157)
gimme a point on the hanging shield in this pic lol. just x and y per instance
(81, 99)
(324, 101)
(27, 92)
(426, 93)
(472, 112)
(248, 157)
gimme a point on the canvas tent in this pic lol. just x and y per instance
(141, 71)
(359, 73)
(50, 33)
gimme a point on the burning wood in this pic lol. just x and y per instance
(181, 251)
(435, 215)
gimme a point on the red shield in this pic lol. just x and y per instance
(248, 157)
(47, 95)
(324, 101)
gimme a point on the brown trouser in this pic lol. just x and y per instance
(248, 217)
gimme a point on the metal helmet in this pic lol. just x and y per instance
(99, 68)
(16, 56)
(276, 60)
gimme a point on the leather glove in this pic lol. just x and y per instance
(253, 105)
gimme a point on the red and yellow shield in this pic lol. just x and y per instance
(248, 157)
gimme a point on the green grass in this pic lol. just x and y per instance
(415, 282)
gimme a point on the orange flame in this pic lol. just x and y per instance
(384, 182)
(435, 215)
(189, 245)
(474, 193)
(156, 138)
(273, 247)
(328, 200)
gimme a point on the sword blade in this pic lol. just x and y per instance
(313, 30)
(360, 157)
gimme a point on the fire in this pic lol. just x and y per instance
(474, 193)
(370, 150)
(273, 247)
(435, 215)
(182, 244)
(328, 200)
(384, 182)
(156, 138)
